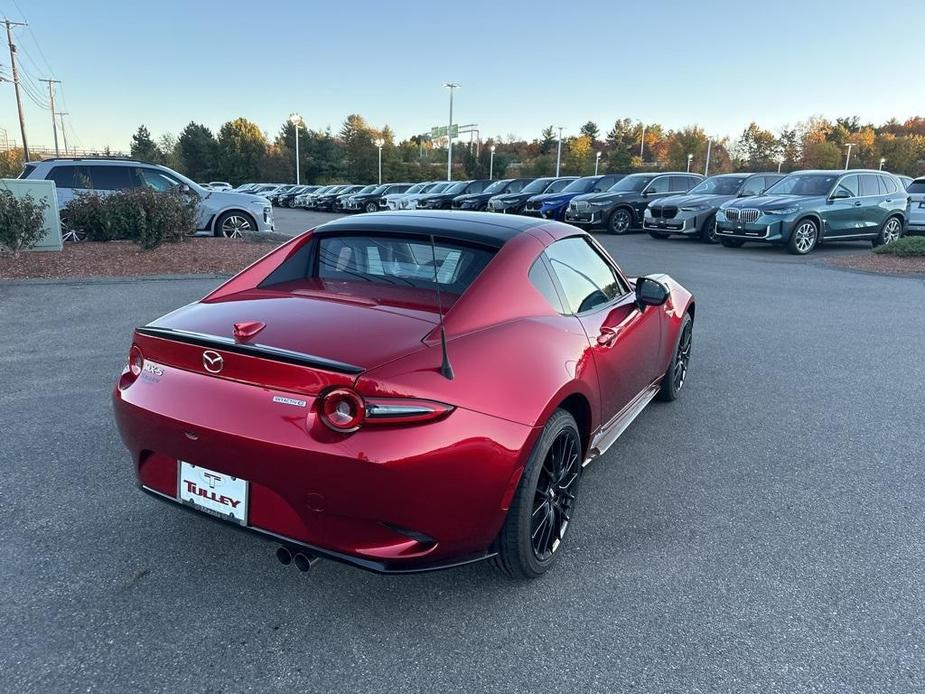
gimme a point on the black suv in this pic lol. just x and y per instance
(621, 208)
(444, 199)
(479, 201)
(371, 201)
(327, 202)
(513, 203)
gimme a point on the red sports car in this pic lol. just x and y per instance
(403, 391)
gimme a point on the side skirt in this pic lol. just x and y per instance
(611, 431)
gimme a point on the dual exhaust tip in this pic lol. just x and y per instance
(303, 562)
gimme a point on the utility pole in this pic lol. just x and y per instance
(63, 131)
(449, 133)
(54, 124)
(22, 119)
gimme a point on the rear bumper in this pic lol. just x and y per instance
(366, 498)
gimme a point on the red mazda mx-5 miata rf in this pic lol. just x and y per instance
(403, 391)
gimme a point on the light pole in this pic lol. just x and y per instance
(597, 161)
(882, 162)
(491, 163)
(848, 157)
(690, 158)
(559, 151)
(780, 163)
(379, 144)
(706, 168)
(449, 133)
(296, 120)
(642, 144)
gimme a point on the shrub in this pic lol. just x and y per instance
(144, 216)
(906, 247)
(22, 221)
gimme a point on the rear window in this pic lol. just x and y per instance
(27, 169)
(392, 260)
(917, 186)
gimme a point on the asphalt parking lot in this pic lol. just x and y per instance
(764, 533)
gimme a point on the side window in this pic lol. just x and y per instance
(110, 177)
(477, 187)
(515, 186)
(887, 185)
(64, 176)
(604, 184)
(848, 184)
(557, 186)
(660, 184)
(682, 184)
(869, 184)
(586, 279)
(156, 179)
(539, 278)
(753, 186)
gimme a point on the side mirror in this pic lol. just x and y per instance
(840, 194)
(747, 194)
(650, 292)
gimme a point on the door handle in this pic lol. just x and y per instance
(857, 204)
(607, 337)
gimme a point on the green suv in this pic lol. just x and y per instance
(806, 207)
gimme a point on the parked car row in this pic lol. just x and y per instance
(797, 210)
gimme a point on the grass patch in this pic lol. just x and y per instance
(906, 247)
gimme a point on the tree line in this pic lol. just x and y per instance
(240, 151)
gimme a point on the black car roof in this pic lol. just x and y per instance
(473, 227)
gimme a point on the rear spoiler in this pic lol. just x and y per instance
(254, 350)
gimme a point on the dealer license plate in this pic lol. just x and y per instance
(213, 492)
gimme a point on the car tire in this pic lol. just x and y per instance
(708, 230)
(731, 243)
(543, 505)
(676, 375)
(620, 221)
(891, 231)
(371, 207)
(232, 223)
(659, 235)
(804, 237)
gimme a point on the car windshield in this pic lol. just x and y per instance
(497, 186)
(803, 184)
(456, 188)
(437, 188)
(718, 185)
(365, 189)
(537, 186)
(378, 190)
(416, 188)
(630, 184)
(557, 186)
(580, 185)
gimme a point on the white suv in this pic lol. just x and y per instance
(222, 213)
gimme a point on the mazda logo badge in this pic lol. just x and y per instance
(212, 361)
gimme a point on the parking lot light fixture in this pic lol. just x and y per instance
(597, 161)
(690, 158)
(296, 120)
(379, 144)
(449, 133)
(559, 151)
(882, 162)
(849, 145)
(491, 164)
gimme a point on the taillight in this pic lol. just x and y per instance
(136, 360)
(345, 410)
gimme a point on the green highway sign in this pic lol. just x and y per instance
(441, 131)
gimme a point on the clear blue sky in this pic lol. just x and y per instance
(523, 65)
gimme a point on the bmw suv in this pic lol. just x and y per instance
(620, 209)
(806, 207)
(513, 203)
(479, 201)
(694, 214)
(554, 205)
(222, 213)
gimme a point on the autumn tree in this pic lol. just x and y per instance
(757, 148)
(691, 140)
